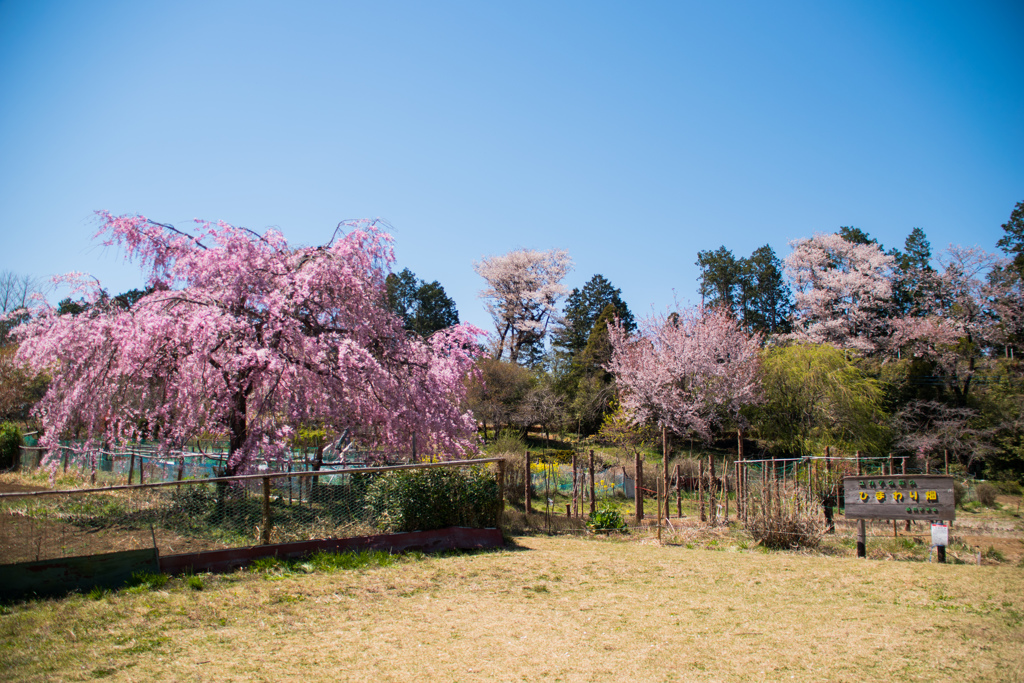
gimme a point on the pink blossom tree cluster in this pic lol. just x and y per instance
(243, 335)
(690, 371)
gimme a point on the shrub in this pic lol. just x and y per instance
(194, 501)
(959, 494)
(986, 494)
(10, 443)
(435, 498)
(606, 518)
(508, 441)
(781, 518)
(1009, 488)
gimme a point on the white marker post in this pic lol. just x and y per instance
(940, 539)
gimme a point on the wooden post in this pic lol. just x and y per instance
(945, 457)
(593, 499)
(142, 470)
(265, 535)
(575, 502)
(941, 551)
(712, 498)
(131, 466)
(181, 467)
(725, 491)
(739, 481)
(903, 470)
(528, 484)
(501, 491)
(414, 447)
(700, 488)
(861, 539)
(66, 461)
(290, 480)
(638, 491)
(679, 494)
(927, 465)
(890, 465)
(658, 479)
(664, 467)
(859, 472)
(739, 504)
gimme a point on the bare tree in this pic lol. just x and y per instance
(929, 427)
(523, 289)
(16, 292)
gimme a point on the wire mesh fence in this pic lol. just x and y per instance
(147, 463)
(209, 514)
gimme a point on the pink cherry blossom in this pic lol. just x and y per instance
(688, 371)
(245, 336)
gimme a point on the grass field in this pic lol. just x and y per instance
(549, 608)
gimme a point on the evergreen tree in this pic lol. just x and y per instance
(1012, 243)
(855, 235)
(582, 309)
(767, 301)
(915, 283)
(720, 278)
(424, 307)
(753, 289)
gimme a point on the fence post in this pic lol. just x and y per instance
(664, 463)
(725, 491)
(529, 483)
(658, 480)
(576, 487)
(679, 494)
(861, 539)
(638, 490)
(593, 500)
(501, 491)
(712, 486)
(858, 464)
(265, 535)
(945, 457)
(700, 488)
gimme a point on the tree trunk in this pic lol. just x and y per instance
(238, 432)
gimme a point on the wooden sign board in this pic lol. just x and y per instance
(921, 497)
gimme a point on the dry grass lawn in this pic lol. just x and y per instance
(558, 609)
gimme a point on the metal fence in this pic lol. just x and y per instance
(146, 463)
(208, 514)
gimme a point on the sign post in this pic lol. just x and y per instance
(924, 498)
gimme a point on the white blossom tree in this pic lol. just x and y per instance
(523, 289)
(841, 290)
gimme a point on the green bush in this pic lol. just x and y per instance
(10, 442)
(959, 494)
(434, 498)
(606, 518)
(986, 494)
(1009, 488)
(508, 441)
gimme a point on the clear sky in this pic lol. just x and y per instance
(632, 134)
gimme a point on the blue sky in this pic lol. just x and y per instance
(631, 134)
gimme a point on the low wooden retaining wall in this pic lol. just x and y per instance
(114, 570)
(453, 538)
